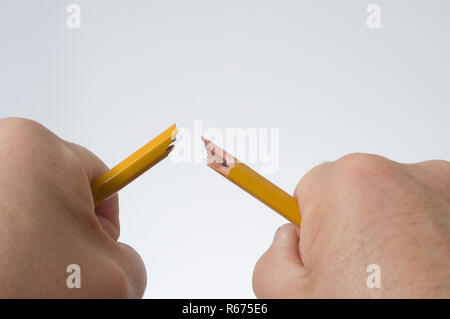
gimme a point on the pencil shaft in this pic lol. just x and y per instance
(252, 182)
(264, 190)
(133, 166)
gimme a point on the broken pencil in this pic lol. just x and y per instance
(252, 182)
(133, 166)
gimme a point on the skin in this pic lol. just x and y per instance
(361, 210)
(48, 221)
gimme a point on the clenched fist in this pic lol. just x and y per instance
(48, 221)
(358, 211)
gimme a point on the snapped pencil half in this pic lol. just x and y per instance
(252, 182)
(134, 165)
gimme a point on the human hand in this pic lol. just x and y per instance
(357, 211)
(48, 221)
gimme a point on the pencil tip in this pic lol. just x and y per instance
(217, 158)
(206, 141)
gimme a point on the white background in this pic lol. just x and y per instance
(310, 68)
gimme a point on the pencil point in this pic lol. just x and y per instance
(206, 141)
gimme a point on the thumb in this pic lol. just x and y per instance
(280, 273)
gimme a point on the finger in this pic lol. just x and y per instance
(92, 165)
(108, 215)
(280, 273)
(108, 211)
(134, 268)
(310, 190)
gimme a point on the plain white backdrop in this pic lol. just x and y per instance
(310, 68)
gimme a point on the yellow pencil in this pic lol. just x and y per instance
(252, 182)
(133, 166)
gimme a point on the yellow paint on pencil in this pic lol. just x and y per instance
(133, 166)
(252, 182)
(264, 190)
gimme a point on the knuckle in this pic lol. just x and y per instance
(258, 277)
(367, 162)
(311, 181)
(268, 275)
(31, 145)
(434, 174)
(71, 159)
(362, 169)
(20, 135)
(19, 126)
(135, 276)
(364, 180)
(273, 277)
(440, 166)
(117, 284)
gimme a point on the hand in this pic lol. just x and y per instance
(358, 211)
(48, 221)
